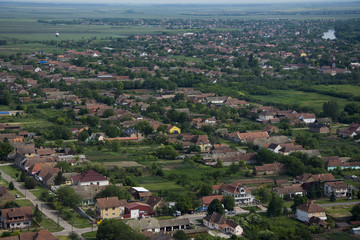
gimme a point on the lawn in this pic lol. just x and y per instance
(339, 211)
(338, 236)
(24, 203)
(50, 225)
(79, 222)
(303, 99)
(38, 190)
(89, 235)
(11, 170)
(14, 192)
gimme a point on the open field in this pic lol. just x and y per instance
(303, 99)
(338, 236)
(339, 211)
(354, 90)
(122, 164)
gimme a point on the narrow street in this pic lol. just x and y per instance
(45, 208)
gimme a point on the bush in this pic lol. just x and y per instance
(30, 182)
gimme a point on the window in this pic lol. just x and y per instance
(106, 209)
(113, 208)
(98, 183)
(113, 214)
(18, 224)
(106, 214)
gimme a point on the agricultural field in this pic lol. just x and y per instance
(303, 99)
(354, 90)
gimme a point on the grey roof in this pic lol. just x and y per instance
(143, 224)
(174, 222)
(87, 192)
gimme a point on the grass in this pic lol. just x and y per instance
(303, 99)
(339, 211)
(353, 89)
(80, 222)
(165, 217)
(50, 225)
(38, 190)
(14, 192)
(338, 200)
(11, 170)
(89, 235)
(24, 203)
(338, 236)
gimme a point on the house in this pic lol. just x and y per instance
(270, 169)
(248, 137)
(221, 223)
(137, 210)
(319, 128)
(308, 210)
(140, 193)
(266, 116)
(5, 196)
(307, 117)
(13, 218)
(271, 129)
(109, 207)
(338, 187)
(155, 202)
(292, 190)
(90, 178)
(203, 142)
(173, 129)
(310, 178)
(351, 131)
(240, 193)
(334, 164)
(208, 199)
(39, 235)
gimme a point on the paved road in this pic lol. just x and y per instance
(45, 208)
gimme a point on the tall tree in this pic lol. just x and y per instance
(59, 179)
(5, 149)
(68, 197)
(331, 109)
(228, 202)
(37, 215)
(215, 206)
(298, 200)
(276, 206)
(116, 230)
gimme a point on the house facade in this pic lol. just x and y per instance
(90, 178)
(221, 223)
(13, 218)
(110, 207)
(308, 210)
(339, 188)
(240, 193)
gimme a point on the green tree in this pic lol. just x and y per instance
(67, 196)
(5, 149)
(228, 202)
(11, 186)
(37, 215)
(355, 211)
(30, 182)
(276, 206)
(112, 229)
(181, 235)
(298, 200)
(114, 191)
(215, 206)
(59, 179)
(205, 190)
(332, 197)
(331, 109)
(83, 136)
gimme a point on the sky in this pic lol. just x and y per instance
(174, 1)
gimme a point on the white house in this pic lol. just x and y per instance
(90, 178)
(308, 210)
(221, 223)
(307, 117)
(338, 187)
